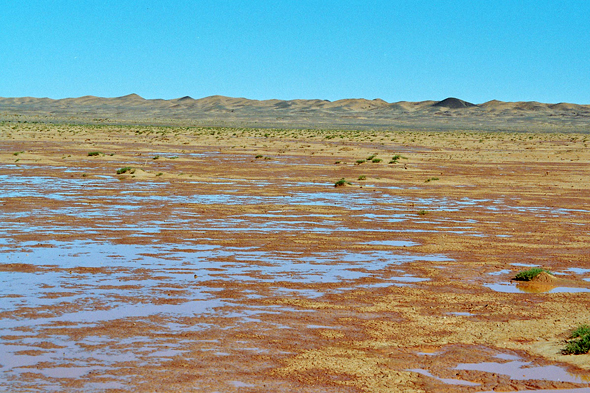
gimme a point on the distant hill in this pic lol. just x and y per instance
(353, 113)
(453, 103)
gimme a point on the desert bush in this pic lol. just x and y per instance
(125, 170)
(528, 275)
(341, 183)
(579, 342)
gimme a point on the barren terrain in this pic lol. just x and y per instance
(225, 259)
(450, 114)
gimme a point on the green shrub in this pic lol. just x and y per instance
(360, 161)
(528, 275)
(362, 177)
(422, 212)
(376, 160)
(431, 179)
(341, 183)
(396, 158)
(125, 170)
(94, 153)
(579, 342)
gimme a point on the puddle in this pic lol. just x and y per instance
(519, 370)
(240, 384)
(432, 352)
(63, 372)
(499, 273)
(119, 312)
(448, 381)
(85, 283)
(578, 270)
(240, 264)
(104, 386)
(536, 288)
(510, 365)
(507, 356)
(394, 243)
(578, 390)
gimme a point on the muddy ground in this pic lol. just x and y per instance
(227, 260)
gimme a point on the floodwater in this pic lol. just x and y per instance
(107, 251)
(89, 277)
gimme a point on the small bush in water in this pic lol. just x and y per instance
(528, 275)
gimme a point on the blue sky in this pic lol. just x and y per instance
(395, 50)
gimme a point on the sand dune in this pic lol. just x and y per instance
(356, 113)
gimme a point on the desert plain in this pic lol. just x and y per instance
(305, 254)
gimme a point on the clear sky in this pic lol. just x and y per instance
(413, 50)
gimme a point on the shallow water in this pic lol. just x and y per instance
(516, 288)
(519, 370)
(90, 276)
(449, 381)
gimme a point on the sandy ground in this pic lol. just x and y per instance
(226, 260)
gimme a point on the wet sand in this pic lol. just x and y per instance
(225, 259)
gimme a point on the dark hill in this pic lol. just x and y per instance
(453, 103)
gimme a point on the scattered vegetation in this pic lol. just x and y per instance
(156, 157)
(341, 182)
(579, 342)
(422, 213)
(528, 275)
(431, 179)
(396, 158)
(259, 156)
(94, 153)
(362, 177)
(376, 160)
(370, 158)
(360, 161)
(17, 153)
(125, 169)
